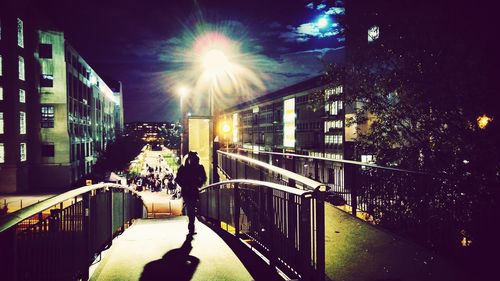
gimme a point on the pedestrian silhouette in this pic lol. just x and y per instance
(191, 176)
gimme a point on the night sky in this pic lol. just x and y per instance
(138, 42)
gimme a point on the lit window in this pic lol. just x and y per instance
(373, 33)
(21, 68)
(1, 93)
(1, 122)
(0, 65)
(22, 151)
(20, 33)
(22, 122)
(48, 116)
(2, 153)
(22, 96)
(370, 159)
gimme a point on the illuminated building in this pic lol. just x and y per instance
(307, 118)
(56, 113)
(17, 89)
(77, 111)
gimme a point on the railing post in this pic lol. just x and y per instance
(236, 210)
(320, 233)
(305, 226)
(86, 235)
(270, 226)
(218, 205)
(354, 191)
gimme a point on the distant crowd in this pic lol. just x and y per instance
(157, 178)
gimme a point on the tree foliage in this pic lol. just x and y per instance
(118, 154)
(426, 85)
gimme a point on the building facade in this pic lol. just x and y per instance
(77, 113)
(17, 95)
(307, 118)
(56, 113)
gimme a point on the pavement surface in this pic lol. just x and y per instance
(159, 249)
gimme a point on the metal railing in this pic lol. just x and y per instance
(58, 238)
(284, 224)
(410, 203)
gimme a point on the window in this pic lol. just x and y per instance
(337, 124)
(45, 51)
(22, 122)
(2, 153)
(22, 96)
(21, 68)
(373, 33)
(48, 150)
(370, 159)
(1, 93)
(20, 33)
(333, 139)
(0, 65)
(46, 80)
(22, 151)
(1, 122)
(48, 116)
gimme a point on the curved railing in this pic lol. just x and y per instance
(245, 167)
(409, 203)
(284, 224)
(58, 238)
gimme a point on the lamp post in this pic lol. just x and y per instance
(225, 130)
(215, 65)
(182, 91)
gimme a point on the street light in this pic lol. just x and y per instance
(182, 91)
(215, 66)
(225, 130)
(482, 121)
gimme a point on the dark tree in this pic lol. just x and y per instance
(117, 156)
(424, 82)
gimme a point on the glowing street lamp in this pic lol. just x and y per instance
(182, 91)
(214, 65)
(225, 130)
(482, 121)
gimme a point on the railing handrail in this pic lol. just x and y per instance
(357, 163)
(272, 185)
(298, 178)
(18, 216)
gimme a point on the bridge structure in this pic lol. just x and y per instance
(262, 221)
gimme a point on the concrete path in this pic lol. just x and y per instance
(158, 249)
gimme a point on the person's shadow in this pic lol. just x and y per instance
(176, 264)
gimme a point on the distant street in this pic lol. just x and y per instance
(159, 204)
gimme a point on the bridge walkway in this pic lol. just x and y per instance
(159, 249)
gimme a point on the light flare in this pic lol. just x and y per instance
(210, 61)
